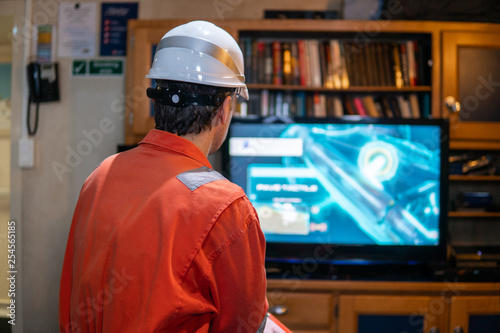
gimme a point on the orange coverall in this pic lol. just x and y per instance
(160, 242)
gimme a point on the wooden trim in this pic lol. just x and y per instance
(463, 307)
(433, 310)
(404, 288)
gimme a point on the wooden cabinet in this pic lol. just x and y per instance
(385, 307)
(471, 75)
(303, 311)
(379, 314)
(475, 314)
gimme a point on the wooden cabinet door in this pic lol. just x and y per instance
(471, 75)
(475, 314)
(373, 314)
(302, 311)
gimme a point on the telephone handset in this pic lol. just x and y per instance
(43, 83)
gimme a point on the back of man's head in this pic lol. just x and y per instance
(196, 65)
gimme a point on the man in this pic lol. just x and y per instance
(160, 242)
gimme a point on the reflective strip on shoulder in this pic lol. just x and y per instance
(198, 177)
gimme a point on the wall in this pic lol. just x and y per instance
(47, 198)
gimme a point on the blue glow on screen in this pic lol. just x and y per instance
(353, 184)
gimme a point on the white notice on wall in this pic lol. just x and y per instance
(77, 30)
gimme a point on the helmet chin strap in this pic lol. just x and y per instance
(181, 99)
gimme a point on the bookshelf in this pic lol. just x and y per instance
(335, 74)
(474, 226)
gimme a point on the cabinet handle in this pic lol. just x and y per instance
(434, 330)
(452, 104)
(278, 310)
(458, 329)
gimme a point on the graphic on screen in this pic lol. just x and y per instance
(341, 183)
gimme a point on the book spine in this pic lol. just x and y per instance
(277, 64)
(300, 103)
(414, 106)
(287, 63)
(315, 63)
(268, 63)
(412, 66)
(398, 75)
(404, 64)
(404, 107)
(302, 62)
(370, 107)
(358, 103)
(264, 103)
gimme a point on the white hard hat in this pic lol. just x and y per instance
(200, 52)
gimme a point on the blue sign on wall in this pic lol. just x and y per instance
(114, 17)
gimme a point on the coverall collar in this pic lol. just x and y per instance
(174, 143)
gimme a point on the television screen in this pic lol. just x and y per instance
(376, 187)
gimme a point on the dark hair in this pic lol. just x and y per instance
(192, 119)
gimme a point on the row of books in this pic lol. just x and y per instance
(317, 104)
(336, 64)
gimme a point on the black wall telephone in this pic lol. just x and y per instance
(43, 83)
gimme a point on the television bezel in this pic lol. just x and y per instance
(359, 254)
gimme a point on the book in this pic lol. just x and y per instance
(288, 104)
(322, 63)
(426, 106)
(300, 103)
(389, 64)
(403, 56)
(398, 75)
(412, 65)
(301, 46)
(295, 64)
(345, 82)
(393, 103)
(278, 100)
(319, 107)
(370, 107)
(268, 63)
(277, 64)
(414, 105)
(386, 107)
(255, 61)
(338, 109)
(264, 103)
(380, 62)
(360, 108)
(314, 61)
(246, 44)
(287, 63)
(347, 58)
(328, 83)
(348, 106)
(261, 59)
(337, 65)
(404, 107)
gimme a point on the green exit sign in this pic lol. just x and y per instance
(97, 67)
(105, 67)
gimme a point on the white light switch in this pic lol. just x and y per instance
(26, 153)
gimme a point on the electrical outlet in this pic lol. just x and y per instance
(26, 153)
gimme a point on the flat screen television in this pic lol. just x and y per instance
(359, 190)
